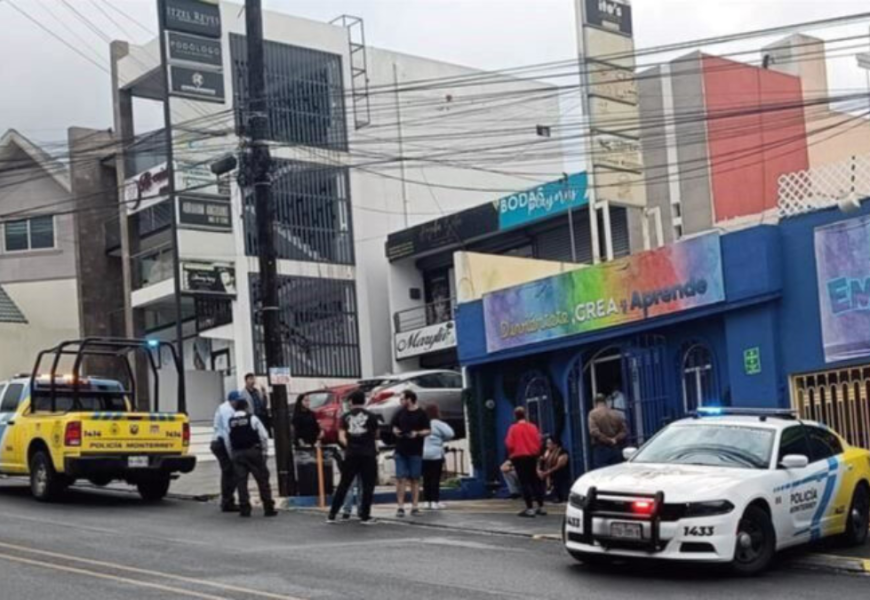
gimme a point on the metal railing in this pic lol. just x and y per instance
(440, 311)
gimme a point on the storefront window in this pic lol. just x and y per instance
(698, 383)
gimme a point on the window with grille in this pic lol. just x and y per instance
(319, 327)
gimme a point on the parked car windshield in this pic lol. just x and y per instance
(710, 445)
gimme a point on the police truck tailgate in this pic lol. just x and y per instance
(133, 433)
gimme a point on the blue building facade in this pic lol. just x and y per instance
(759, 346)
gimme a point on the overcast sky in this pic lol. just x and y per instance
(45, 87)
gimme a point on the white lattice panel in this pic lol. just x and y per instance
(813, 189)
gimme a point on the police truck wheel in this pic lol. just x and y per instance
(858, 520)
(45, 484)
(154, 489)
(756, 542)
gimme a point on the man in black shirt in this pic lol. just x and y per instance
(410, 426)
(358, 434)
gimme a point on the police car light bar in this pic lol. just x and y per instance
(761, 413)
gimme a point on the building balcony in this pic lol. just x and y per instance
(425, 329)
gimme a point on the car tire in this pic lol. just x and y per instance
(756, 542)
(46, 484)
(858, 520)
(154, 489)
(591, 560)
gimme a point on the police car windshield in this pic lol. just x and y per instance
(710, 444)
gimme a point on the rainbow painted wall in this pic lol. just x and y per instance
(643, 286)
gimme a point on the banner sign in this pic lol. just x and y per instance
(199, 17)
(198, 84)
(194, 49)
(543, 201)
(200, 212)
(208, 278)
(642, 286)
(610, 15)
(843, 270)
(428, 339)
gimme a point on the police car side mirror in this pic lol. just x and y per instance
(627, 453)
(795, 461)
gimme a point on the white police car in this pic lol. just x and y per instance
(725, 487)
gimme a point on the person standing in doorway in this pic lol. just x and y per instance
(249, 445)
(618, 401)
(523, 444)
(607, 431)
(433, 457)
(258, 402)
(410, 426)
(358, 434)
(220, 447)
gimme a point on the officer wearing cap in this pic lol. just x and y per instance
(249, 443)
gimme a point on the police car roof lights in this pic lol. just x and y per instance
(762, 413)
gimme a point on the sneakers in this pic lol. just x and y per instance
(330, 520)
(528, 513)
(415, 512)
(270, 511)
(245, 512)
(345, 516)
(368, 521)
(400, 513)
(541, 512)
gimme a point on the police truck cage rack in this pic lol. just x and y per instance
(762, 413)
(116, 349)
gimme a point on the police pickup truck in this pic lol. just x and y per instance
(58, 428)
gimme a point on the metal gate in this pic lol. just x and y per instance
(839, 398)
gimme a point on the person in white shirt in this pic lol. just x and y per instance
(433, 457)
(249, 447)
(220, 447)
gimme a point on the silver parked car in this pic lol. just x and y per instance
(443, 388)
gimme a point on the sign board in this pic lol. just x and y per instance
(543, 201)
(280, 376)
(616, 152)
(204, 213)
(609, 47)
(613, 82)
(752, 361)
(611, 15)
(184, 47)
(843, 271)
(146, 189)
(428, 339)
(196, 177)
(642, 286)
(611, 116)
(200, 17)
(208, 278)
(197, 84)
(624, 188)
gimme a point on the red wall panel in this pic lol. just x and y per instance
(755, 133)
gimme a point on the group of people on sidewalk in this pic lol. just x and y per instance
(241, 446)
(536, 469)
(419, 453)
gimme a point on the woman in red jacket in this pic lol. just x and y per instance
(523, 443)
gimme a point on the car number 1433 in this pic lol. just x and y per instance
(698, 531)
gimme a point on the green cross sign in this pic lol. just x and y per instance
(752, 361)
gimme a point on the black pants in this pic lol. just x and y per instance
(531, 485)
(432, 470)
(228, 473)
(366, 467)
(252, 462)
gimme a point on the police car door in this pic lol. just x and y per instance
(798, 491)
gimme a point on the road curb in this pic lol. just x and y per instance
(832, 564)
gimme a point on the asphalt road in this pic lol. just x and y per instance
(100, 546)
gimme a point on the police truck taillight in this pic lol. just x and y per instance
(185, 434)
(73, 434)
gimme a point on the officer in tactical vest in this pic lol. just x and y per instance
(249, 444)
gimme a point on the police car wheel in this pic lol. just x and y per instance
(756, 542)
(153, 489)
(858, 520)
(45, 484)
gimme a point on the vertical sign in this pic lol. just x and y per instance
(191, 35)
(752, 361)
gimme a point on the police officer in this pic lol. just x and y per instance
(249, 443)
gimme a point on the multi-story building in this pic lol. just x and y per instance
(365, 141)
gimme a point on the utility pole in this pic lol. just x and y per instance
(258, 166)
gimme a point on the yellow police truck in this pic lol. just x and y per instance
(58, 427)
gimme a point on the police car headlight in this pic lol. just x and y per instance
(577, 500)
(708, 509)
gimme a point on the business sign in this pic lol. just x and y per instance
(200, 17)
(204, 213)
(146, 189)
(196, 176)
(208, 278)
(194, 49)
(450, 231)
(280, 376)
(616, 152)
(642, 286)
(613, 82)
(610, 15)
(752, 361)
(197, 84)
(843, 270)
(428, 339)
(543, 201)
